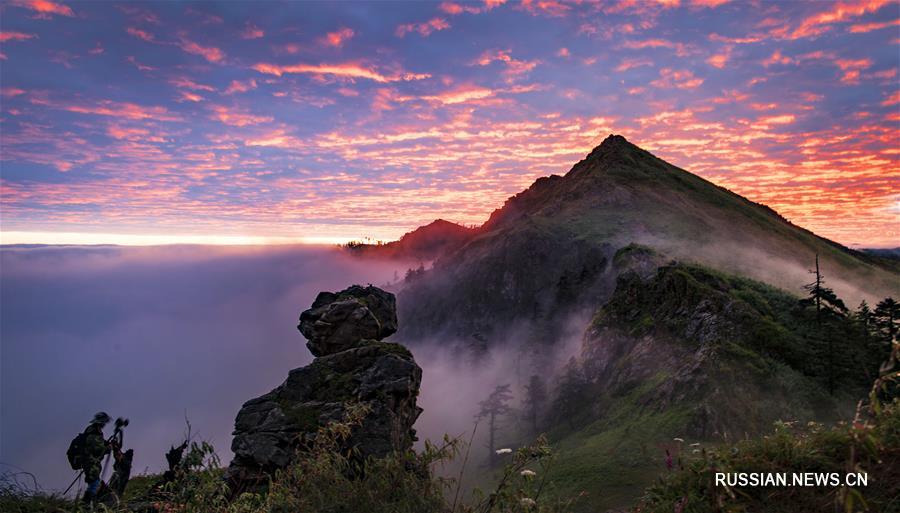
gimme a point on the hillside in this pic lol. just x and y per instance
(424, 243)
(547, 252)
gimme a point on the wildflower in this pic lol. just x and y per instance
(527, 502)
(696, 451)
(697, 444)
(527, 473)
(503, 451)
(679, 439)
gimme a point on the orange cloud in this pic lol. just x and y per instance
(15, 36)
(238, 86)
(186, 83)
(344, 70)
(210, 53)
(840, 12)
(546, 7)
(513, 66)
(251, 31)
(851, 69)
(628, 64)
(680, 49)
(111, 108)
(235, 117)
(869, 27)
(679, 79)
(777, 58)
(187, 96)
(337, 38)
(425, 29)
(719, 60)
(453, 8)
(893, 99)
(708, 3)
(141, 34)
(45, 7)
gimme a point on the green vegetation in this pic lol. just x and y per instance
(866, 445)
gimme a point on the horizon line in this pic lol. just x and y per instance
(20, 238)
(48, 238)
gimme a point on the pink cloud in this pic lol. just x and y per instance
(236, 117)
(840, 12)
(142, 67)
(678, 79)
(893, 99)
(238, 86)
(552, 8)
(852, 68)
(628, 64)
(187, 83)
(425, 29)
(563, 52)
(869, 27)
(210, 53)
(141, 34)
(719, 60)
(15, 36)
(777, 58)
(251, 31)
(337, 38)
(680, 49)
(45, 7)
(110, 108)
(341, 70)
(453, 8)
(513, 66)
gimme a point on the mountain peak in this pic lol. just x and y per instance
(613, 145)
(615, 141)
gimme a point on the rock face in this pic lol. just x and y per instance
(346, 319)
(344, 330)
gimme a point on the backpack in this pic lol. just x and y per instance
(75, 454)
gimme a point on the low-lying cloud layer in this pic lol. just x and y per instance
(152, 334)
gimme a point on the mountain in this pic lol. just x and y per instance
(424, 243)
(548, 251)
(680, 299)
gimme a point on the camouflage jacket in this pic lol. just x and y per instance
(95, 446)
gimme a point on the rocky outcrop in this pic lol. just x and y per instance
(354, 366)
(346, 319)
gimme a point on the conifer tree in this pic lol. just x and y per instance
(495, 406)
(535, 397)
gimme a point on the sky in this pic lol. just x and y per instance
(264, 122)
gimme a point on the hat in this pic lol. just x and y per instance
(101, 418)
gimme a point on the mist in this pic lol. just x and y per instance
(152, 334)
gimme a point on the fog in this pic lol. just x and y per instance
(152, 334)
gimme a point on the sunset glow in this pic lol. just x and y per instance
(239, 123)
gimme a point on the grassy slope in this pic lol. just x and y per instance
(763, 373)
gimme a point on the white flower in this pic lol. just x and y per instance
(695, 444)
(679, 440)
(696, 451)
(527, 473)
(503, 451)
(527, 502)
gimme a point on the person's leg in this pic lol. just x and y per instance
(92, 479)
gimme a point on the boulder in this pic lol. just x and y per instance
(342, 320)
(354, 367)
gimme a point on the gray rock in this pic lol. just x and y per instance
(339, 321)
(271, 429)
